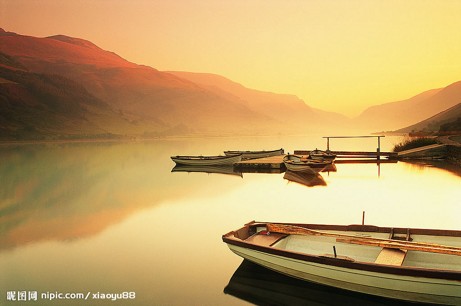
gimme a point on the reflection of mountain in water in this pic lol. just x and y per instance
(68, 191)
(75, 190)
(261, 286)
(308, 179)
(230, 170)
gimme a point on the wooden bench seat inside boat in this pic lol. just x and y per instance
(265, 239)
(389, 256)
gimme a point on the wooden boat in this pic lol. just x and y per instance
(255, 154)
(206, 160)
(322, 155)
(417, 265)
(261, 286)
(302, 163)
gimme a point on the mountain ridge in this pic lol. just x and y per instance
(434, 123)
(394, 115)
(119, 98)
(286, 108)
(148, 102)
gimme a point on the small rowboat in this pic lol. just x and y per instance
(206, 160)
(260, 286)
(255, 154)
(417, 265)
(322, 155)
(301, 163)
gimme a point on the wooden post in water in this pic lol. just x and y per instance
(378, 150)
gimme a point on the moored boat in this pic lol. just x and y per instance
(255, 154)
(261, 286)
(322, 155)
(302, 163)
(206, 160)
(417, 265)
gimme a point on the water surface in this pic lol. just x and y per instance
(113, 217)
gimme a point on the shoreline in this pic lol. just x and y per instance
(132, 139)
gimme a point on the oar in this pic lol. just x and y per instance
(404, 245)
(388, 243)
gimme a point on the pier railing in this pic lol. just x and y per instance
(356, 154)
(366, 136)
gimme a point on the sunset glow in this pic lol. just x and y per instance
(341, 56)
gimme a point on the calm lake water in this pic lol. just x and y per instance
(112, 218)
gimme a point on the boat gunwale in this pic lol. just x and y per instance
(305, 161)
(310, 164)
(411, 271)
(249, 151)
(322, 154)
(203, 157)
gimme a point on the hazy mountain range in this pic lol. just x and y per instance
(447, 121)
(406, 115)
(64, 87)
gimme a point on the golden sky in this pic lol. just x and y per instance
(337, 55)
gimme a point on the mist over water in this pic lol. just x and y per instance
(114, 218)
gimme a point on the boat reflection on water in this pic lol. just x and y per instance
(260, 286)
(330, 168)
(229, 170)
(308, 179)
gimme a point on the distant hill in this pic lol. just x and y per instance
(390, 116)
(453, 127)
(394, 115)
(284, 108)
(446, 122)
(38, 106)
(60, 87)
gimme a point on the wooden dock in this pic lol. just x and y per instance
(355, 154)
(274, 164)
(271, 162)
(365, 161)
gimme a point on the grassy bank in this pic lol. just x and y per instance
(413, 142)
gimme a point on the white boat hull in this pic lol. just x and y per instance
(426, 290)
(206, 160)
(300, 163)
(298, 167)
(322, 155)
(416, 265)
(255, 154)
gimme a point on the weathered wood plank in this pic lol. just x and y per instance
(265, 240)
(379, 242)
(271, 162)
(353, 154)
(389, 256)
(404, 245)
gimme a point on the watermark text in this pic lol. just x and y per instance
(31, 295)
